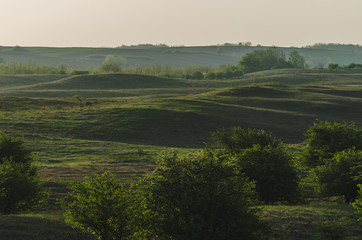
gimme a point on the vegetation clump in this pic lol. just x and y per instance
(21, 189)
(262, 158)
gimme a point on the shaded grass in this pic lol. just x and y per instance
(314, 221)
(39, 226)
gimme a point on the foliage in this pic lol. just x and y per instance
(236, 139)
(297, 60)
(14, 148)
(263, 158)
(20, 187)
(15, 68)
(102, 206)
(325, 138)
(202, 197)
(270, 167)
(358, 203)
(259, 60)
(79, 71)
(339, 175)
(332, 66)
(110, 67)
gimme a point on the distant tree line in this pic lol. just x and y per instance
(258, 60)
(336, 46)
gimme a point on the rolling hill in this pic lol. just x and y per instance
(181, 56)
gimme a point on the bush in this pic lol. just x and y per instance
(110, 67)
(202, 197)
(20, 187)
(236, 139)
(263, 158)
(102, 206)
(324, 139)
(358, 203)
(271, 169)
(197, 75)
(340, 174)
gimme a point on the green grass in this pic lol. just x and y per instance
(39, 226)
(327, 221)
(121, 122)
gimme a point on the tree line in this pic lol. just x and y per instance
(216, 193)
(255, 61)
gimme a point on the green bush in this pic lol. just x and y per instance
(263, 158)
(202, 197)
(358, 203)
(325, 138)
(102, 206)
(20, 187)
(270, 167)
(340, 175)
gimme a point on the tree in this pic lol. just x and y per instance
(202, 197)
(21, 189)
(102, 206)
(263, 158)
(341, 174)
(198, 75)
(272, 58)
(332, 66)
(235, 139)
(110, 67)
(270, 167)
(62, 68)
(325, 138)
(297, 60)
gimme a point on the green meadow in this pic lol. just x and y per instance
(78, 125)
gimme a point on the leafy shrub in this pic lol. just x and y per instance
(340, 174)
(202, 197)
(325, 138)
(271, 169)
(78, 72)
(263, 158)
(110, 67)
(20, 187)
(102, 206)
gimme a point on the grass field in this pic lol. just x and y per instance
(119, 123)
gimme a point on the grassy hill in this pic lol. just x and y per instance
(159, 113)
(119, 123)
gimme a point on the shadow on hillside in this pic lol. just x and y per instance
(185, 129)
(17, 227)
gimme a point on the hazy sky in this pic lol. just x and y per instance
(111, 23)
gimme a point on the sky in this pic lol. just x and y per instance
(112, 23)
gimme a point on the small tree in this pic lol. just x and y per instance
(202, 197)
(340, 175)
(263, 158)
(297, 60)
(102, 206)
(110, 67)
(325, 138)
(20, 187)
(236, 139)
(197, 75)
